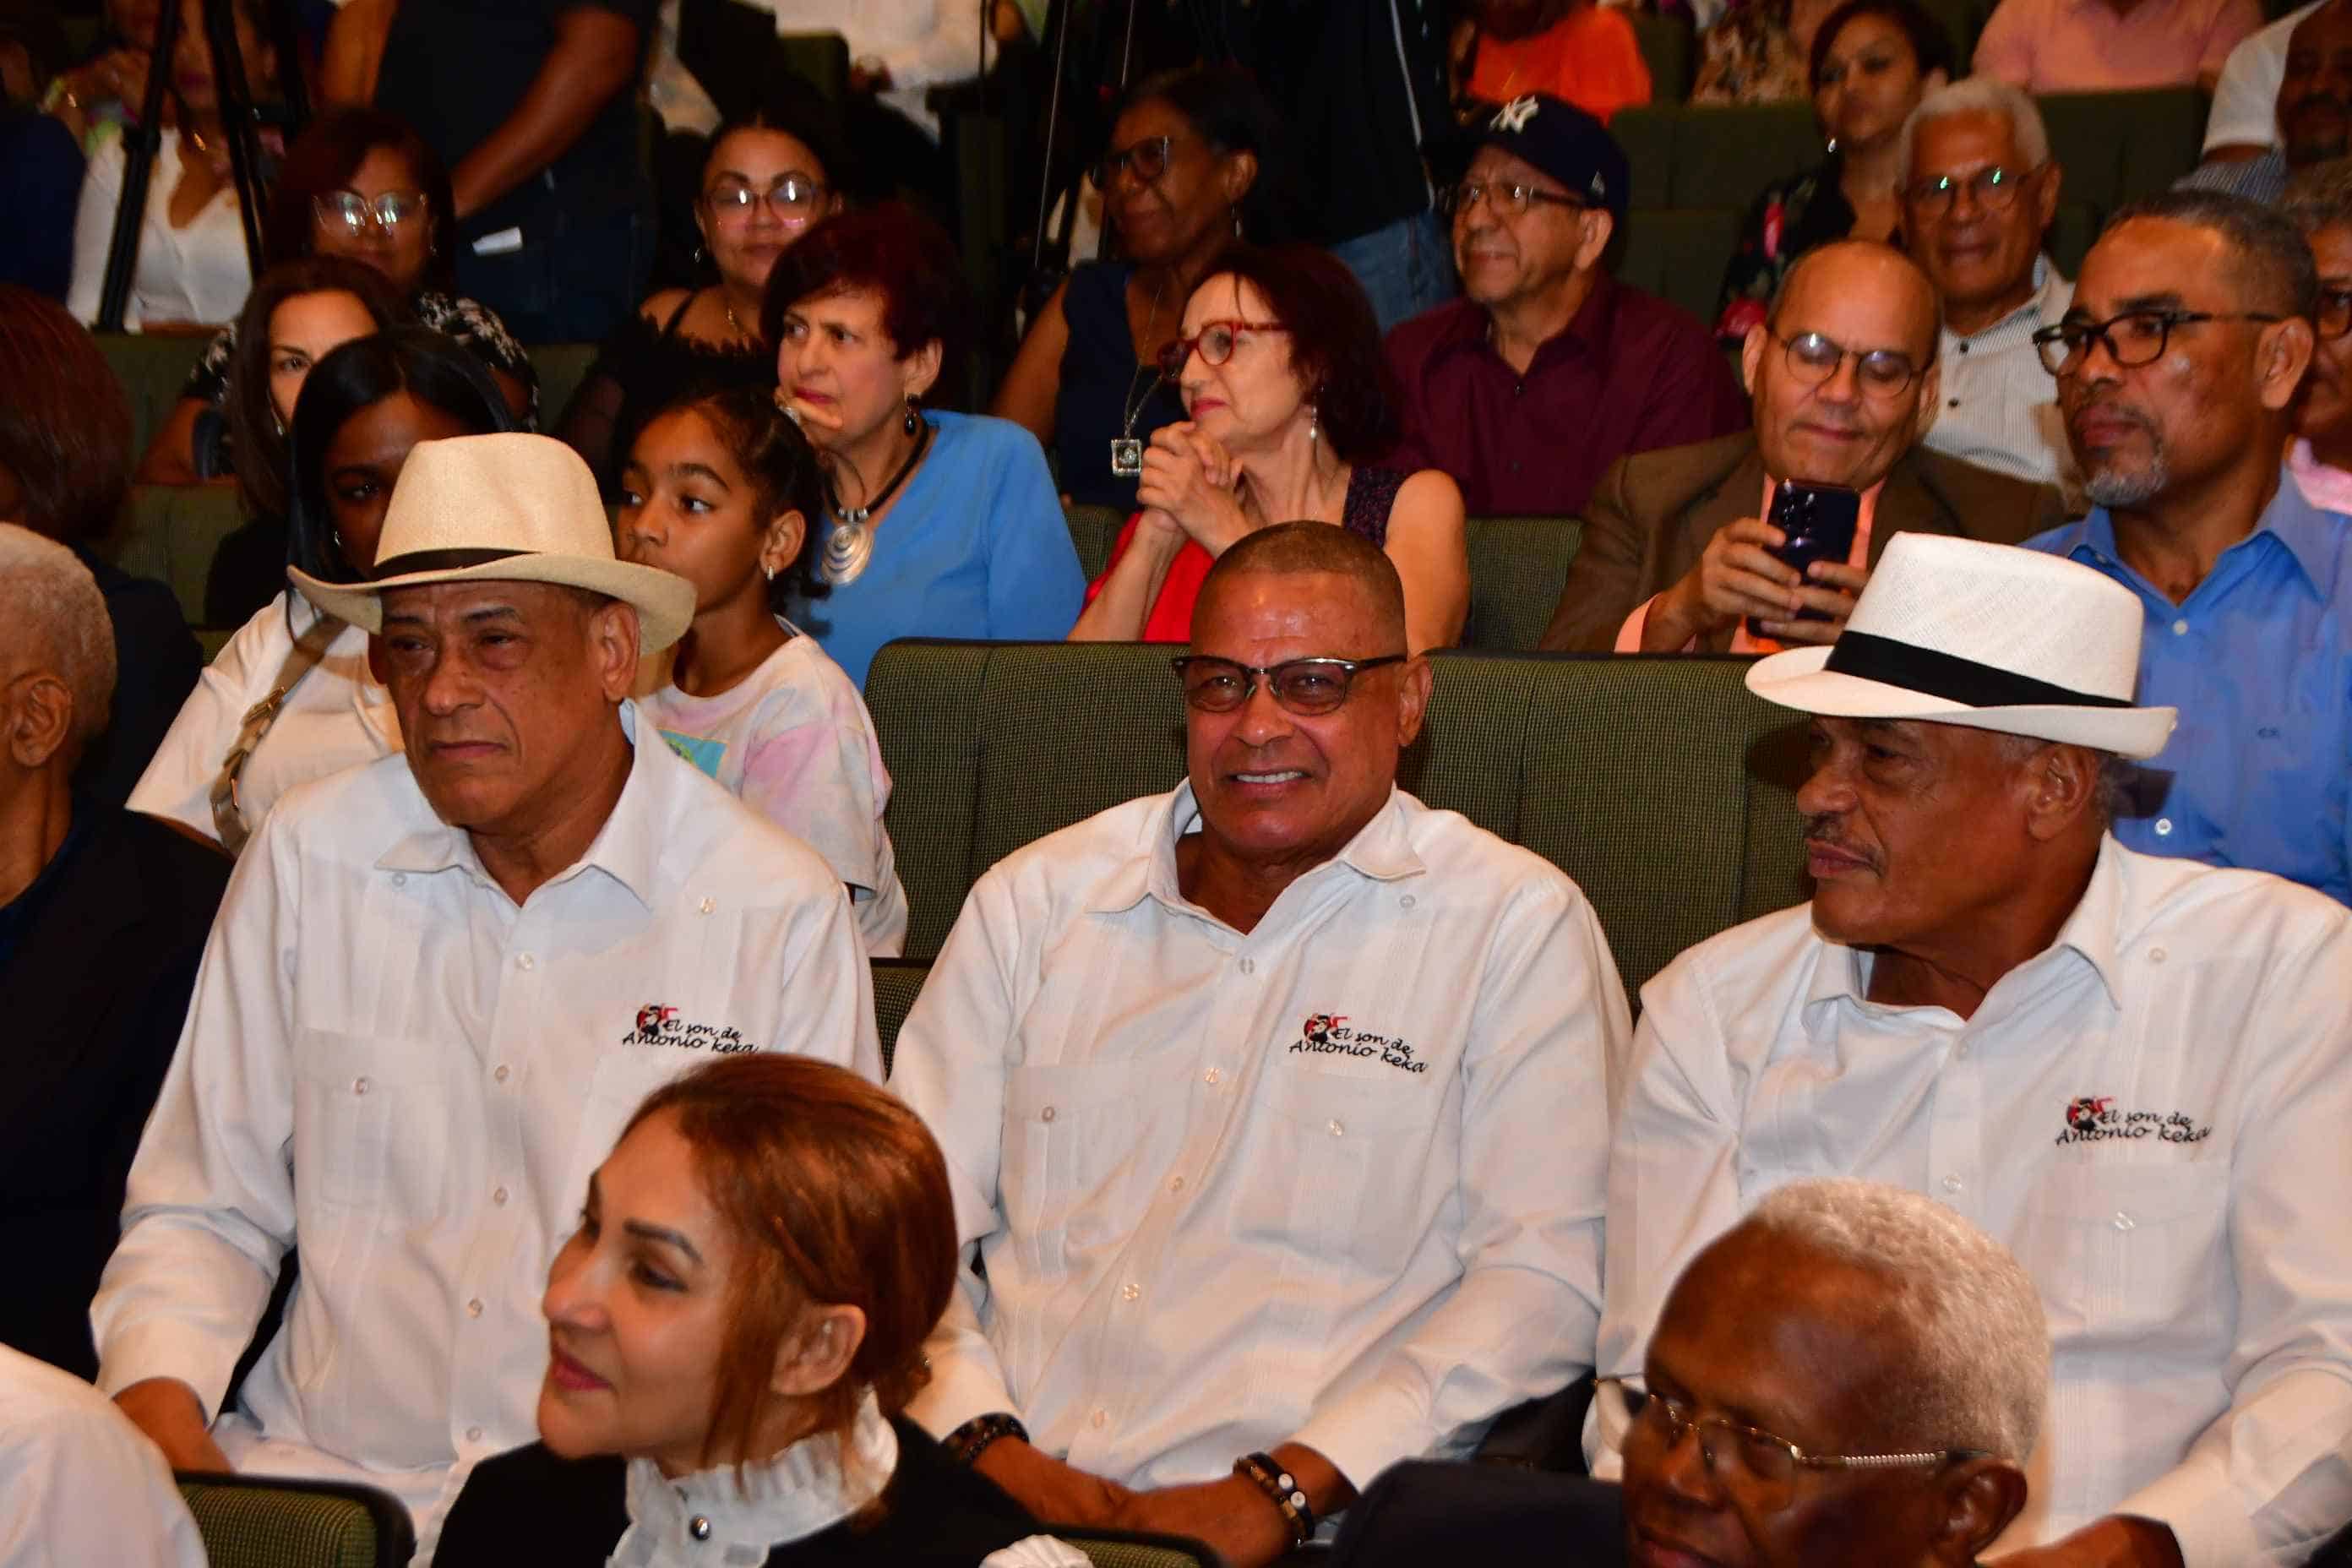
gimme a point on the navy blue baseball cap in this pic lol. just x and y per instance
(1559, 139)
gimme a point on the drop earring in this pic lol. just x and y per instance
(914, 420)
(1237, 223)
(1314, 425)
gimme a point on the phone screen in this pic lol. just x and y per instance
(1818, 520)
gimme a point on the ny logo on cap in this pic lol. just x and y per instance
(1514, 116)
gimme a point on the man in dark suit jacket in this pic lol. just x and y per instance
(103, 915)
(1675, 552)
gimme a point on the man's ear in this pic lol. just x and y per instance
(2282, 354)
(614, 639)
(37, 718)
(1413, 698)
(1980, 1497)
(1597, 224)
(2061, 784)
(1751, 354)
(2054, 177)
(818, 1353)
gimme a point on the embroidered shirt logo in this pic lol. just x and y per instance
(2097, 1119)
(1514, 116)
(1329, 1034)
(660, 1025)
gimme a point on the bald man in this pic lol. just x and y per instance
(1843, 381)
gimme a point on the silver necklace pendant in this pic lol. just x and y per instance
(847, 550)
(1127, 456)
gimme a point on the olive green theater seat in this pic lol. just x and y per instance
(258, 1521)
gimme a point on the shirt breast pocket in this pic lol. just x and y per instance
(1084, 1143)
(371, 1128)
(1357, 1149)
(2130, 1252)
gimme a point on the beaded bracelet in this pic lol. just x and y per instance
(1283, 1488)
(967, 1442)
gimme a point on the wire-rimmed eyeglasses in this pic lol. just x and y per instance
(1302, 686)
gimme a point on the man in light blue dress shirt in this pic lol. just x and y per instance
(2177, 366)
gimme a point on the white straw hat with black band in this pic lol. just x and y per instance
(1989, 637)
(503, 508)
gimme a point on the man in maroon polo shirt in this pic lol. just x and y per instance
(1549, 369)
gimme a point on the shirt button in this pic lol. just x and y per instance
(499, 1196)
(474, 1308)
(358, 1086)
(1964, 348)
(473, 1433)
(1212, 1075)
(400, 879)
(1130, 1292)
(698, 1527)
(1099, 1419)
(501, 1074)
(2180, 628)
(1518, 389)
(1046, 1114)
(1953, 1183)
(2123, 1222)
(1514, 465)
(2164, 827)
(1176, 1185)
(1405, 902)
(2155, 955)
(706, 906)
(1249, 966)
(1954, 403)
(525, 961)
(1337, 1130)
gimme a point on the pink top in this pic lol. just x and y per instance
(1629, 635)
(2088, 46)
(2327, 487)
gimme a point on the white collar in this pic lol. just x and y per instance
(708, 1519)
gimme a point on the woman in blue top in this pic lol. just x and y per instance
(940, 526)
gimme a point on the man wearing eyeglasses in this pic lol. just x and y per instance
(2176, 370)
(1980, 191)
(1548, 370)
(1678, 554)
(1273, 1106)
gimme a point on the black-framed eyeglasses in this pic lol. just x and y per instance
(1995, 190)
(1148, 159)
(2133, 338)
(1302, 686)
(1760, 1466)
(1502, 196)
(1213, 342)
(355, 213)
(2334, 316)
(1814, 360)
(792, 195)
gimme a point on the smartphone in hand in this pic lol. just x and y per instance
(1817, 521)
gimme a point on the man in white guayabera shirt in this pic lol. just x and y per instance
(2136, 1073)
(1275, 1106)
(439, 985)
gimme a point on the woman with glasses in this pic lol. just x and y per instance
(360, 183)
(1189, 168)
(2321, 456)
(1873, 61)
(934, 524)
(1288, 400)
(767, 179)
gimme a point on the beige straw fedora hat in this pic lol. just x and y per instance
(1990, 636)
(502, 509)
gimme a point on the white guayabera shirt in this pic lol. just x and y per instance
(2151, 1114)
(391, 1065)
(1337, 1180)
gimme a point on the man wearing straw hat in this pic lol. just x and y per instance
(438, 986)
(2132, 1071)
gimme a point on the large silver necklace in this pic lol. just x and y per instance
(849, 547)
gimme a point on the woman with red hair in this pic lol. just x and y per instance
(733, 1333)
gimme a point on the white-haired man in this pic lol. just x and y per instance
(2133, 1071)
(1980, 189)
(439, 985)
(102, 916)
(1866, 1372)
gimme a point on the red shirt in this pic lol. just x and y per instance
(1171, 620)
(1590, 58)
(1629, 374)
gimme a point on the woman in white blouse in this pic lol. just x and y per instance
(192, 268)
(362, 410)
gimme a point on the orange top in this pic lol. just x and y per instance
(1589, 58)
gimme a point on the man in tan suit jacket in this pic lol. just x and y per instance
(1675, 554)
